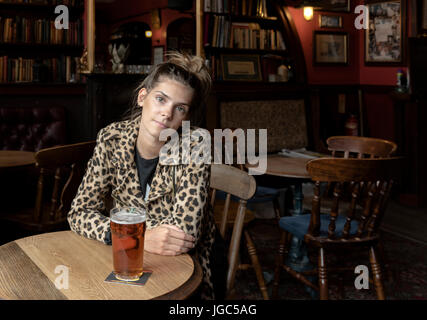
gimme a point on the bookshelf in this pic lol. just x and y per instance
(32, 50)
(250, 37)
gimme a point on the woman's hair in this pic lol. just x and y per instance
(186, 69)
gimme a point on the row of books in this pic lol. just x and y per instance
(73, 3)
(63, 70)
(32, 30)
(237, 7)
(220, 32)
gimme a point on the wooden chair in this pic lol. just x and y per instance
(352, 147)
(61, 171)
(332, 233)
(239, 184)
(360, 147)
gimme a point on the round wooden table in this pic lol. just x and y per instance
(10, 159)
(32, 267)
(285, 167)
(294, 169)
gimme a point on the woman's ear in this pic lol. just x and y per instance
(141, 95)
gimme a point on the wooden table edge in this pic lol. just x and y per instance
(188, 288)
(25, 163)
(184, 291)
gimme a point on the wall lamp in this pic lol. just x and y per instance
(308, 13)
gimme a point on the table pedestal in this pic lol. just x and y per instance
(297, 257)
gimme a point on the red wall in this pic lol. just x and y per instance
(327, 75)
(378, 106)
(356, 72)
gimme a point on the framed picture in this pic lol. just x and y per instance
(241, 67)
(326, 21)
(422, 17)
(385, 36)
(158, 55)
(330, 48)
(331, 5)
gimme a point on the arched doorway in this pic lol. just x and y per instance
(181, 35)
(133, 33)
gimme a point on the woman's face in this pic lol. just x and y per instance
(165, 106)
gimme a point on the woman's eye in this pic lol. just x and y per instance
(160, 99)
(180, 108)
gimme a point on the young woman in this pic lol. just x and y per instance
(126, 164)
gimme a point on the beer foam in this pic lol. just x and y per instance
(125, 217)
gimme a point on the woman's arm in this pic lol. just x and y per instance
(190, 199)
(179, 232)
(85, 216)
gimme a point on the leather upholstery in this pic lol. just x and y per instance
(31, 129)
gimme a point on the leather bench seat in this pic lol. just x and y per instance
(32, 128)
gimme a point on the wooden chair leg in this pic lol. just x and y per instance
(377, 274)
(279, 262)
(233, 254)
(276, 207)
(255, 264)
(323, 276)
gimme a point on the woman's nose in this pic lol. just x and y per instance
(167, 111)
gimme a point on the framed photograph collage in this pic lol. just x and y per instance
(386, 33)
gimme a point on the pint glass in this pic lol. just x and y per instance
(127, 235)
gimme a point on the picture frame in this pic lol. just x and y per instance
(328, 21)
(422, 17)
(330, 48)
(331, 5)
(237, 67)
(386, 33)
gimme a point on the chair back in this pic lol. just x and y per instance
(360, 147)
(237, 183)
(67, 165)
(375, 175)
(233, 182)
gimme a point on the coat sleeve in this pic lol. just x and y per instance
(191, 198)
(192, 192)
(85, 216)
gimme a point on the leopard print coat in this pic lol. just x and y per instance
(178, 194)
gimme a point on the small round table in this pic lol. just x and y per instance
(9, 159)
(32, 267)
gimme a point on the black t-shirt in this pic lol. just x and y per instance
(146, 169)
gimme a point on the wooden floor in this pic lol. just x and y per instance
(410, 223)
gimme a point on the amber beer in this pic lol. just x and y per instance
(127, 234)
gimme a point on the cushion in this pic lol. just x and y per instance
(262, 194)
(32, 128)
(298, 225)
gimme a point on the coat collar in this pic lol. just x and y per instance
(125, 134)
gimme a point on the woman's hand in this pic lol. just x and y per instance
(167, 240)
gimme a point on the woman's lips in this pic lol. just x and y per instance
(161, 125)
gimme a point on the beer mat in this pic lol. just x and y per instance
(142, 281)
